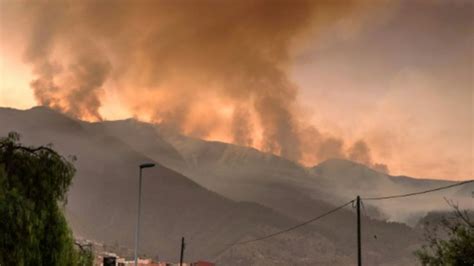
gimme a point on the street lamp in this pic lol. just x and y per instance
(144, 165)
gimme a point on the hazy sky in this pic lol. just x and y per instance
(399, 77)
(405, 82)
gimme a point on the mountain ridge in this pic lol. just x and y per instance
(279, 192)
(103, 203)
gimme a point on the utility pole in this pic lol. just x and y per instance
(359, 249)
(182, 252)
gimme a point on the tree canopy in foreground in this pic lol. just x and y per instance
(33, 186)
(451, 242)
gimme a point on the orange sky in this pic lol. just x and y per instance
(401, 80)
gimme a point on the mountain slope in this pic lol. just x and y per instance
(346, 178)
(244, 173)
(345, 173)
(102, 200)
(142, 137)
(247, 174)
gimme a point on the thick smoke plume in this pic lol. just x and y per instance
(207, 68)
(360, 152)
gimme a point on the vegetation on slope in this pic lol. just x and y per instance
(450, 240)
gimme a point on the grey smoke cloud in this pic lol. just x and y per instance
(172, 59)
(360, 152)
(242, 127)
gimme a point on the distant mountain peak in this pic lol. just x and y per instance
(41, 108)
(341, 164)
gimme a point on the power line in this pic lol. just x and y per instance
(296, 226)
(338, 208)
(288, 229)
(420, 192)
(347, 203)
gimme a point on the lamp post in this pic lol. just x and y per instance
(137, 236)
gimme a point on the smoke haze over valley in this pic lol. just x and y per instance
(271, 131)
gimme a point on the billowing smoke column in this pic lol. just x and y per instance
(199, 66)
(69, 80)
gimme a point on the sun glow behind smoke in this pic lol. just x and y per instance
(217, 70)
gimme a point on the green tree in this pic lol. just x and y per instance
(456, 248)
(33, 186)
